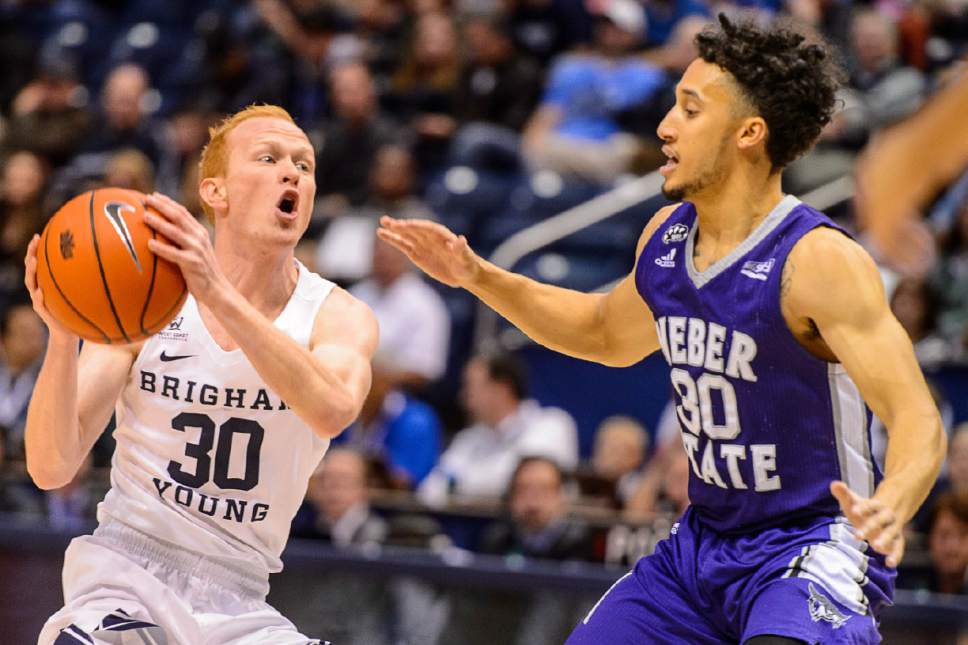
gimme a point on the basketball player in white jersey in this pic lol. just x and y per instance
(221, 418)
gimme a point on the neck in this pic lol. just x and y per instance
(501, 412)
(731, 212)
(266, 278)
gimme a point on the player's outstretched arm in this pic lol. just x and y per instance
(73, 397)
(834, 283)
(615, 329)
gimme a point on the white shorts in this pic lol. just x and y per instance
(121, 586)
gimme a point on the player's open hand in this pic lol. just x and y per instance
(434, 248)
(873, 520)
(37, 296)
(189, 245)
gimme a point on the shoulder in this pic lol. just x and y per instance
(827, 272)
(831, 255)
(468, 437)
(345, 317)
(544, 418)
(653, 225)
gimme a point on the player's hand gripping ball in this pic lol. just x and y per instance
(97, 275)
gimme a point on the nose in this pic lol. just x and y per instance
(290, 173)
(665, 130)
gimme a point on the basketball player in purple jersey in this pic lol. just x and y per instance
(777, 330)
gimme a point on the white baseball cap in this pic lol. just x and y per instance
(627, 15)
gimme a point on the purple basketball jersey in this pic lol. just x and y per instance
(766, 425)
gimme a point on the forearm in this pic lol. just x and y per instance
(563, 320)
(53, 444)
(317, 395)
(915, 451)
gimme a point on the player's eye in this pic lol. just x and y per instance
(267, 158)
(303, 166)
(690, 113)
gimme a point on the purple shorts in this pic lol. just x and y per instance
(810, 581)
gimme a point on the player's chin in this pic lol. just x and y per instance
(673, 191)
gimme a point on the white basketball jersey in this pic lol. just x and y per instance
(208, 457)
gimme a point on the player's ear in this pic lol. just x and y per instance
(211, 190)
(752, 132)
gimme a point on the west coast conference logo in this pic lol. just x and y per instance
(675, 233)
(758, 270)
(173, 331)
(113, 211)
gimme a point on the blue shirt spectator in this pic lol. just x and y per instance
(591, 91)
(404, 432)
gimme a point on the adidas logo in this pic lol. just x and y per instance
(668, 260)
(757, 270)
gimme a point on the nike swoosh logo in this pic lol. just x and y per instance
(166, 358)
(114, 210)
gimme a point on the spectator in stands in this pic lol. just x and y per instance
(947, 546)
(393, 187)
(539, 526)
(498, 85)
(24, 175)
(186, 132)
(950, 280)
(424, 88)
(396, 430)
(346, 248)
(414, 322)
(122, 122)
(337, 506)
(130, 169)
(23, 339)
(621, 444)
(72, 508)
(664, 488)
(882, 91)
(507, 427)
(350, 140)
(914, 303)
(575, 130)
(957, 479)
(498, 91)
(545, 28)
(48, 115)
(242, 57)
(889, 90)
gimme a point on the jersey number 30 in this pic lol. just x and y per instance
(206, 441)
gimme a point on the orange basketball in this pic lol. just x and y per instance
(98, 277)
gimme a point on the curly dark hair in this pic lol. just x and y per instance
(791, 83)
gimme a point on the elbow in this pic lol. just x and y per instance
(336, 419)
(45, 477)
(620, 361)
(49, 471)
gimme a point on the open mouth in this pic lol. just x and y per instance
(671, 164)
(288, 202)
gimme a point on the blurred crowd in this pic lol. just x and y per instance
(480, 114)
